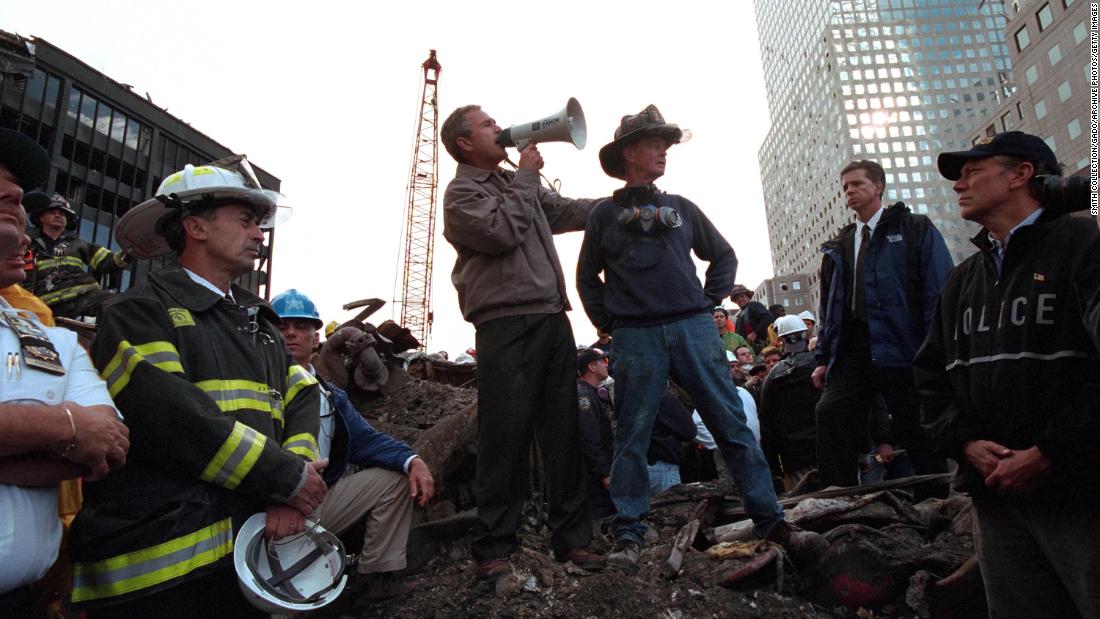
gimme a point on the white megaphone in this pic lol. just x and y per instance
(565, 126)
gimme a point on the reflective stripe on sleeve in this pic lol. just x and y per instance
(53, 263)
(235, 458)
(65, 294)
(99, 256)
(162, 355)
(304, 444)
(151, 566)
(297, 378)
(237, 394)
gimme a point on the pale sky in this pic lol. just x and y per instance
(325, 95)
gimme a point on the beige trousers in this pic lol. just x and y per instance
(382, 498)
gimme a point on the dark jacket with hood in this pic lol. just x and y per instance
(896, 268)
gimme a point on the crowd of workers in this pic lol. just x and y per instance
(219, 464)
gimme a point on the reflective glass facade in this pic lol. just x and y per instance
(1052, 101)
(109, 147)
(896, 81)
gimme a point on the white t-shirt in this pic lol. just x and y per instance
(703, 436)
(30, 530)
(328, 423)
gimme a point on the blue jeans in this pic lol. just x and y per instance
(691, 351)
(662, 476)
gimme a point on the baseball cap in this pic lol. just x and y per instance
(1013, 143)
(26, 160)
(588, 355)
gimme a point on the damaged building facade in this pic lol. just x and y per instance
(109, 147)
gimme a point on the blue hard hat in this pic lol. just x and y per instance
(293, 304)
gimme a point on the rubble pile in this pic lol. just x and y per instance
(886, 556)
(415, 406)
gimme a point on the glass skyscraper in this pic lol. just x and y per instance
(895, 81)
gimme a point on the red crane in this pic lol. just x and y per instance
(416, 279)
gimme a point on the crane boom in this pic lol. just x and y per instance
(419, 249)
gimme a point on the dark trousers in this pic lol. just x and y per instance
(843, 417)
(527, 388)
(1038, 559)
(214, 595)
(19, 603)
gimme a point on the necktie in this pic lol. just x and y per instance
(859, 300)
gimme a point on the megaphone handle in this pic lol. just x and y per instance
(552, 185)
(522, 143)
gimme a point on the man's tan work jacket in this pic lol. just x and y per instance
(502, 223)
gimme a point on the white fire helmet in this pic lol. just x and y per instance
(227, 180)
(788, 325)
(295, 574)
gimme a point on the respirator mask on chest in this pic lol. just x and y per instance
(638, 212)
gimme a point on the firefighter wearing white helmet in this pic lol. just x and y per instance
(788, 325)
(152, 228)
(222, 424)
(787, 401)
(810, 321)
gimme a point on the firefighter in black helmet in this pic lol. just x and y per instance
(66, 269)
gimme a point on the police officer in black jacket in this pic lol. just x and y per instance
(597, 437)
(1010, 381)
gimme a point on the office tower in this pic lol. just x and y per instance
(1049, 44)
(896, 81)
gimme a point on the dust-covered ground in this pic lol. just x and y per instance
(887, 544)
(541, 587)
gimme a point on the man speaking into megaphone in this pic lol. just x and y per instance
(511, 288)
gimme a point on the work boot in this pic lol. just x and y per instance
(804, 547)
(624, 556)
(379, 586)
(367, 591)
(491, 570)
(584, 559)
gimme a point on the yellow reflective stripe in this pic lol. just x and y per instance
(304, 444)
(162, 355)
(53, 263)
(235, 458)
(66, 293)
(99, 256)
(151, 566)
(238, 394)
(297, 378)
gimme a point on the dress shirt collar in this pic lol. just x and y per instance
(871, 223)
(205, 283)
